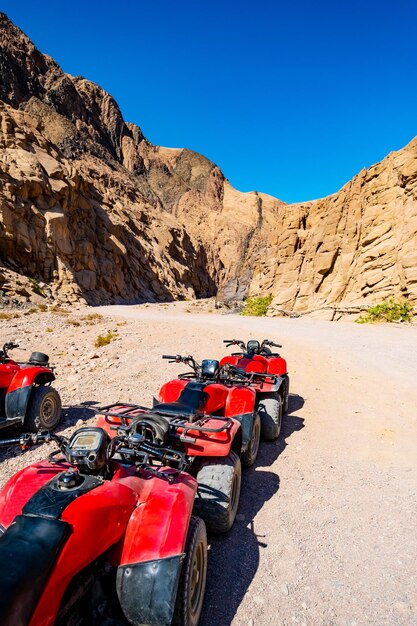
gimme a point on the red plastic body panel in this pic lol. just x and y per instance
(26, 376)
(108, 424)
(216, 395)
(258, 363)
(7, 372)
(22, 486)
(164, 510)
(171, 391)
(240, 400)
(277, 365)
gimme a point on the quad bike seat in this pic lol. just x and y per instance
(29, 549)
(190, 401)
(38, 358)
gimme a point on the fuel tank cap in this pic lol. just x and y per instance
(69, 480)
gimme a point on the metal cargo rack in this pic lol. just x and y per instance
(176, 420)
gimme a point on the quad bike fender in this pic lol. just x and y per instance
(16, 403)
(147, 591)
(31, 375)
(158, 526)
(171, 391)
(152, 551)
(109, 424)
(20, 388)
(7, 371)
(246, 421)
(217, 395)
(257, 363)
(231, 360)
(279, 386)
(240, 400)
(277, 365)
(28, 552)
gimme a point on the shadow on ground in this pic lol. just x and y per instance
(234, 558)
(71, 414)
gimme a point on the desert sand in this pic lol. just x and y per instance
(326, 529)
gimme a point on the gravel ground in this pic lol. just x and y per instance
(326, 529)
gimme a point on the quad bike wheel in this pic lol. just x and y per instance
(192, 583)
(270, 411)
(44, 409)
(249, 456)
(218, 492)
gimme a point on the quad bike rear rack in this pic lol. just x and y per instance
(176, 420)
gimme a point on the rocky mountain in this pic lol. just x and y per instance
(89, 209)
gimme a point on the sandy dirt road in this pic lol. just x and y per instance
(326, 529)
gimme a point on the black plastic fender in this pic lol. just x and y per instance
(286, 385)
(16, 403)
(246, 421)
(147, 591)
(280, 385)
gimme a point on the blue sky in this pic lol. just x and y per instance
(289, 98)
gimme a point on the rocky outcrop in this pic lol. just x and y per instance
(89, 209)
(83, 229)
(358, 246)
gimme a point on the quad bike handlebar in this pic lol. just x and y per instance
(26, 440)
(235, 342)
(9, 345)
(266, 342)
(227, 373)
(238, 342)
(187, 360)
(131, 445)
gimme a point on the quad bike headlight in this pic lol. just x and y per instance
(253, 347)
(210, 368)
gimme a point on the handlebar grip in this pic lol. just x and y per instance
(228, 340)
(277, 345)
(9, 442)
(170, 357)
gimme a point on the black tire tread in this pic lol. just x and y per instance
(32, 421)
(270, 411)
(215, 477)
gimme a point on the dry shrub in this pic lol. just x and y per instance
(104, 340)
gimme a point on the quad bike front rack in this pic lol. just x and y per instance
(176, 420)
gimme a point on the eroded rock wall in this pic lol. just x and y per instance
(91, 210)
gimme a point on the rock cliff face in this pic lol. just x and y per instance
(89, 209)
(358, 246)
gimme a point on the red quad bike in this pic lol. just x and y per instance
(25, 394)
(101, 533)
(208, 415)
(268, 372)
